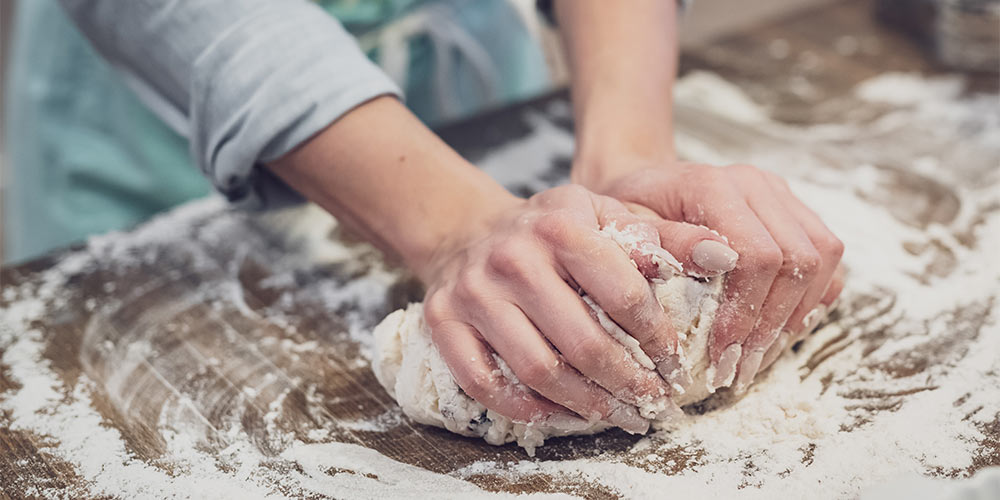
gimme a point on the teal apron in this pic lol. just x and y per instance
(85, 156)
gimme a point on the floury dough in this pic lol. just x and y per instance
(411, 369)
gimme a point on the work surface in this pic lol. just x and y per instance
(211, 353)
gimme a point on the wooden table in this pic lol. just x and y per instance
(232, 329)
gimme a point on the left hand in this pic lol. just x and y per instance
(784, 280)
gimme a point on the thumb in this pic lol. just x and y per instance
(701, 251)
(636, 235)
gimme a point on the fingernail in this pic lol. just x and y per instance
(771, 337)
(725, 369)
(627, 417)
(674, 373)
(566, 421)
(667, 411)
(714, 257)
(776, 348)
(748, 369)
(775, 344)
(834, 305)
(811, 321)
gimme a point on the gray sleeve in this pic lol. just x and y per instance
(244, 80)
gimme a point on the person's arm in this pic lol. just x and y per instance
(497, 266)
(245, 81)
(281, 84)
(623, 61)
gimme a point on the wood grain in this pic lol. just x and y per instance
(215, 362)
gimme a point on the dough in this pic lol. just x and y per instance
(412, 370)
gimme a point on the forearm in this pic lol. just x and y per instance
(380, 171)
(243, 81)
(623, 62)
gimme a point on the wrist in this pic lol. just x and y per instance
(617, 134)
(623, 65)
(383, 174)
(471, 216)
(599, 170)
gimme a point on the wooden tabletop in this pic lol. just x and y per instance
(217, 323)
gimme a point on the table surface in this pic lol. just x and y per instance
(218, 318)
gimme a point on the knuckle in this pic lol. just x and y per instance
(646, 322)
(468, 287)
(479, 386)
(711, 174)
(588, 350)
(655, 176)
(803, 263)
(555, 227)
(436, 308)
(573, 190)
(560, 194)
(509, 259)
(592, 348)
(658, 347)
(715, 182)
(768, 259)
(743, 169)
(831, 245)
(632, 299)
(536, 373)
(775, 178)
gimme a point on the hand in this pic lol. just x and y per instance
(508, 284)
(785, 277)
(502, 272)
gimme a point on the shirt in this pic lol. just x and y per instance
(245, 82)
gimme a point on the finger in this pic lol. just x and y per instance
(709, 196)
(652, 244)
(702, 252)
(616, 361)
(746, 286)
(506, 328)
(661, 248)
(826, 304)
(597, 263)
(637, 236)
(800, 264)
(477, 373)
(786, 338)
(832, 295)
(830, 249)
(609, 277)
(778, 347)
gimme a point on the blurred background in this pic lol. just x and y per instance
(705, 21)
(960, 34)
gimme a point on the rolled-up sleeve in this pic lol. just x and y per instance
(245, 81)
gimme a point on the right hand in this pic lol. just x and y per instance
(509, 284)
(786, 278)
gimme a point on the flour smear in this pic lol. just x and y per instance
(901, 381)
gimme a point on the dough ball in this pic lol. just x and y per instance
(411, 369)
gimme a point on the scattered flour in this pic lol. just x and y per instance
(904, 382)
(410, 368)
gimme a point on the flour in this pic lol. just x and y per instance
(796, 431)
(410, 368)
(363, 472)
(97, 452)
(901, 382)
